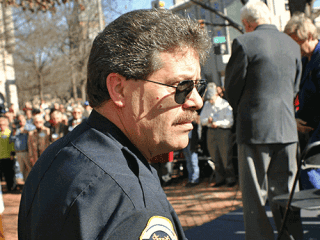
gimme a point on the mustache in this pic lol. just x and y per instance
(188, 116)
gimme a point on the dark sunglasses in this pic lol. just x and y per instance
(184, 88)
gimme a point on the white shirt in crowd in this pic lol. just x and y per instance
(220, 112)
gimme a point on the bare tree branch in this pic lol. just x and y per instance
(231, 22)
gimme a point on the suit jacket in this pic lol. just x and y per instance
(262, 79)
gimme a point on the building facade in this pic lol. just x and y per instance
(214, 69)
(8, 88)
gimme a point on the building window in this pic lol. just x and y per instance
(287, 6)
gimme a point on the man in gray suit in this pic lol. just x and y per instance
(262, 79)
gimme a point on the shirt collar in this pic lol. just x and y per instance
(104, 125)
(266, 26)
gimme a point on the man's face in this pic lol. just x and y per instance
(4, 124)
(9, 115)
(77, 113)
(29, 114)
(62, 108)
(22, 120)
(56, 118)
(38, 122)
(154, 122)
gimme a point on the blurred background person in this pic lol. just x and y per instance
(10, 117)
(191, 155)
(77, 117)
(20, 138)
(64, 116)
(1, 212)
(57, 128)
(11, 110)
(56, 106)
(47, 117)
(220, 91)
(38, 140)
(217, 115)
(29, 117)
(7, 154)
(87, 109)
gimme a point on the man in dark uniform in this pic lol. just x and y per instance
(144, 86)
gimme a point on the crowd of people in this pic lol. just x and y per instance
(148, 99)
(25, 135)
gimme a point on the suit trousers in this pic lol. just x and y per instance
(266, 171)
(220, 147)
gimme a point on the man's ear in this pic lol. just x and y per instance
(115, 84)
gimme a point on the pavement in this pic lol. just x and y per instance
(205, 212)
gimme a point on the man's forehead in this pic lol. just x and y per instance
(179, 51)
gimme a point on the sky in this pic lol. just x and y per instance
(140, 4)
(316, 3)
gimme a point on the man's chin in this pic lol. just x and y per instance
(180, 143)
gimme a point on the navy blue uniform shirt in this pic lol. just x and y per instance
(95, 184)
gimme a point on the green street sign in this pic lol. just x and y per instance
(219, 40)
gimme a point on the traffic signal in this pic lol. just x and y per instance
(155, 4)
(217, 49)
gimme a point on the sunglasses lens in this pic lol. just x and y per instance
(183, 90)
(201, 87)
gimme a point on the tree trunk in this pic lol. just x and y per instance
(74, 83)
(83, 91)
(41, 87)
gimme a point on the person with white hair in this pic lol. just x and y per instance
(38, 139)
(19, 136)
(261, 82)
(217, 115)
(301, 29)
(76, 118)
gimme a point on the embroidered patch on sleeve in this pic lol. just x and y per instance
(158, 228)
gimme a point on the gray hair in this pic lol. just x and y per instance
(130, 46)
(301, 26)
(254, 11)
(211, 90)
(20, 113)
